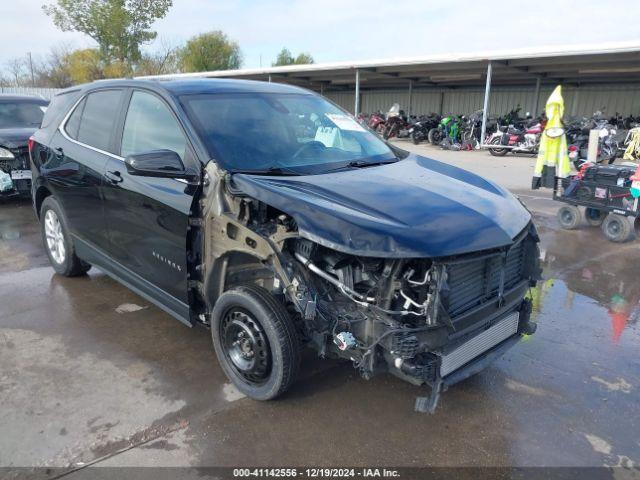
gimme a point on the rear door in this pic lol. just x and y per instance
(75, 162)
(147, 217)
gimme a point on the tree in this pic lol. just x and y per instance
(159, 62)
(17, 68)
(119, 27)
(210, 51)
(84, 66)
(285, 58)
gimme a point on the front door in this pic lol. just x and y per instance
(147, 217)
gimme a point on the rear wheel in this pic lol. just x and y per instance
(57, 241)
(594, 217)
(256, 342)
(416, 138)
(618, 228)
(569, 217)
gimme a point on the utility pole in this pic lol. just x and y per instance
(33, 80)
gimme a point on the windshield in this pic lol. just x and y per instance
(282, 133)
(20, 114)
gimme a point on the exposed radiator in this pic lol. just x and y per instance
(479, 344)
(474, 282)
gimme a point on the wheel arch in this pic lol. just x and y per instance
(235, 267)
(41, 193)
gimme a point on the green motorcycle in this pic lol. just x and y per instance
(448, 127)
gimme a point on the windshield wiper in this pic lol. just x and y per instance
(275, 171)
(362, 164)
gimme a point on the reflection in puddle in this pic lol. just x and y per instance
(580, 267)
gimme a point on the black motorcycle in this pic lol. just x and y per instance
(419, 131)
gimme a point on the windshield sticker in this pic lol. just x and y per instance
(343, 122)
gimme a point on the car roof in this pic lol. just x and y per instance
(195, 86)
(9, 97)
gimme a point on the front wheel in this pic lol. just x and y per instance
(255, 341)
(497, 152)
(435, 136)
(57, 240)
(416, 138)
(569, 217)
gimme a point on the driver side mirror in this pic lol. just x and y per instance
(156, 163)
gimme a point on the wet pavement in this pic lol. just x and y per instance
(92, 373)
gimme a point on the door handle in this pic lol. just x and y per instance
(113, 176)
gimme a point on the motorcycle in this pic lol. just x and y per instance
(521, 137)
(395, 122)
(448, 128)
(578, 140)
(471, 129)
(376, 122)
(419, 131)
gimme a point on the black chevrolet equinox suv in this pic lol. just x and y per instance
(270, 216)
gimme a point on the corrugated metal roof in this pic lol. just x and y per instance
(602, 62)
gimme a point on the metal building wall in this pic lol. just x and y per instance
(582, 101)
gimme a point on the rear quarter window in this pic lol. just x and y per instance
(59, 106)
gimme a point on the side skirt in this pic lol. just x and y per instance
(133, 281)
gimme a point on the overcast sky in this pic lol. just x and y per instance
(334, 30)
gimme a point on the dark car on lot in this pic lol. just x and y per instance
(20, 116)
(269, 215)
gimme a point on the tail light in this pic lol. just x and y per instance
(573, 148)
(30, 144)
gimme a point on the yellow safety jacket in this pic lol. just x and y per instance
(633, 149)
(553, 157)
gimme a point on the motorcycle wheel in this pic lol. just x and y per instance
(389, 132)
(435, 136)
(415, 138)
(497, 152)
(380, 129)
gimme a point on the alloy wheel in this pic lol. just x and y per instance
(54, 236)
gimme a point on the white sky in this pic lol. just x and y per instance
(334, 30)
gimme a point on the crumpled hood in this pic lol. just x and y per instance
(416, 207)
(15, 137)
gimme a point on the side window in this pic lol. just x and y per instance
(98, 118)
(73, 123)
(150, 125)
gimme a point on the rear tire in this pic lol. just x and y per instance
(569, 217)
(593, 216)
(57, 240)
(618, 228)
(415, 138)
(256, 342)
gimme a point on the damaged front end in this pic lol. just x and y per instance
(430, 321)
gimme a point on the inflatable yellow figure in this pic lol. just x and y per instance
(553, 157)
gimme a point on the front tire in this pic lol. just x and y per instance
(57, 240)
(255, 341)
(569, 217)
(434, 136)
(497, 152)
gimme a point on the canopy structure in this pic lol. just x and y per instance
(604, 63)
